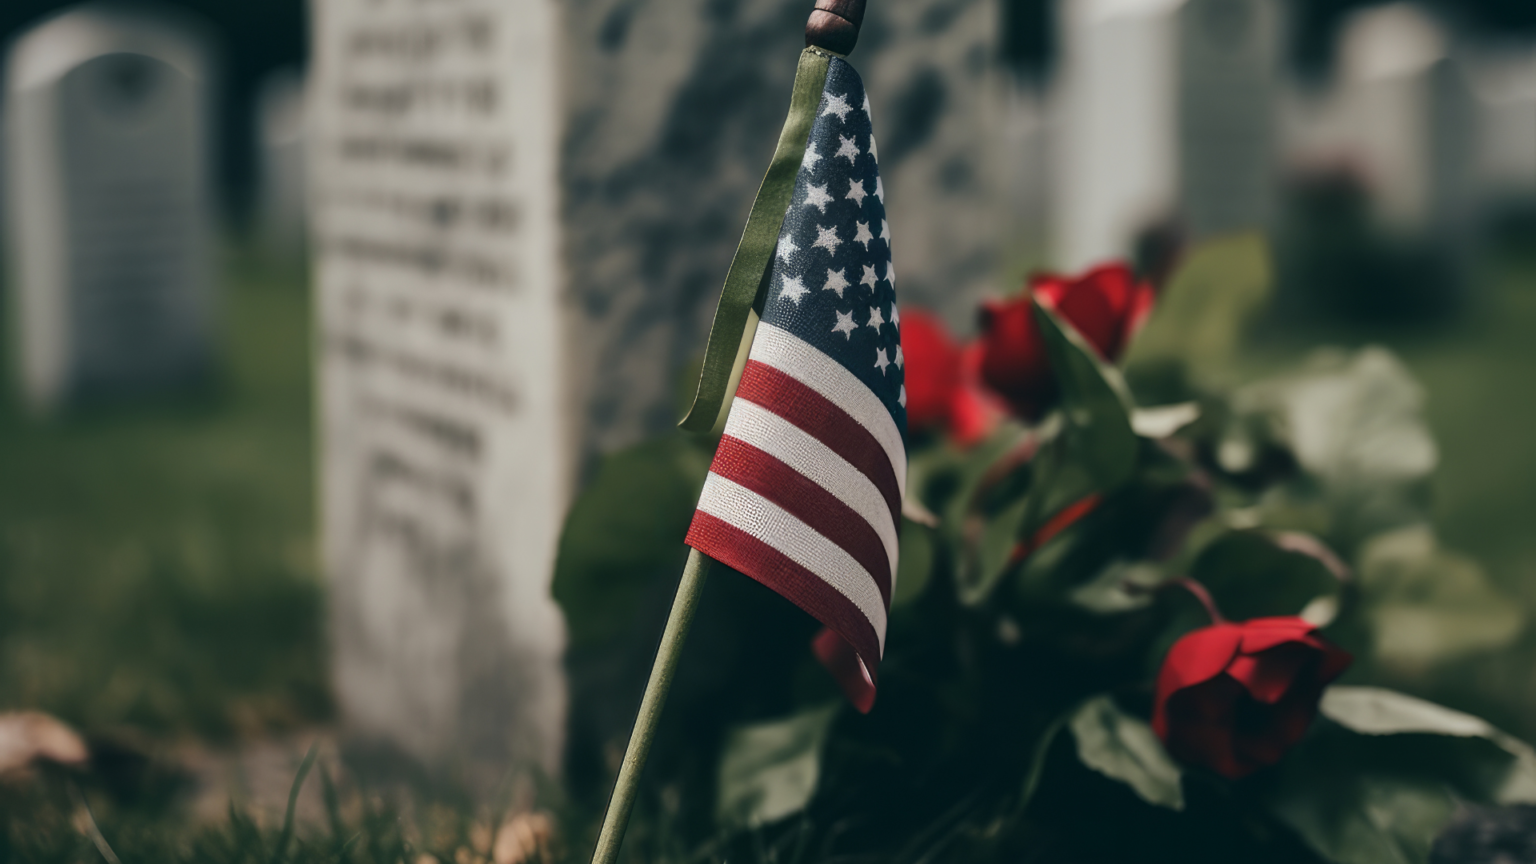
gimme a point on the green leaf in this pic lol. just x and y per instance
(1095, 404)
(1357, 818)
(1355, 423)
(1124, 748)
(623, 538)
(770, 770)
(968, 520)
(1121, 586)
(1426, 605)
(1253, 574)
(1382, 773)
(915, 565)
(1509, 776)
(1202, 313)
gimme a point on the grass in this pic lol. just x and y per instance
(157, 563)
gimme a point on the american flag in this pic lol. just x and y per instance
(805, 491)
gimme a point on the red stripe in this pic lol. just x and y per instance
(818, 417)
(741, 551)
(847, 670)
(808, 501)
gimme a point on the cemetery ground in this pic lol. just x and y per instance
(159, 588)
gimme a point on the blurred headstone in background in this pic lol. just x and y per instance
(280, 203)
(1166, 122)
(1383, 198)
(1409, 119)
(522, 220)
(1503, 80)
(109, 203)
(447, 441)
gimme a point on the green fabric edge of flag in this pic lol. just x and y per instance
(749, 267)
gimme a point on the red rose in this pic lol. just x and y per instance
(942, 380)
(1107, 305)
(1234, 697)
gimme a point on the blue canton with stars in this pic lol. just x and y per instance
(831, 282)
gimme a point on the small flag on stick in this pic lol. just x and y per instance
(806, 487)
(805, 491)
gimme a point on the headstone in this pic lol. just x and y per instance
(1503, 81)
(1400, 113)
(522, 215)
(1166, 120)
(956, 150)
(280, 200)
(109, 205)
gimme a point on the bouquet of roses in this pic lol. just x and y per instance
(1143, 610)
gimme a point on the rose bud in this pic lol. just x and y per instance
(1106, 305)
(943, 385)
(1234, 697)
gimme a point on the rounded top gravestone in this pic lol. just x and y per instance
(108, 158)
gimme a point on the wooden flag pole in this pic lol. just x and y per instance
(833, 26)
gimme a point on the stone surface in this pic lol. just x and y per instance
(1166, 119)
(107, 163)
(447, 443)
(1503, 82)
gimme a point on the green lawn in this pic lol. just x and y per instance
(157, 559)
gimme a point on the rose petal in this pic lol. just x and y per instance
(1269, 674)
(1199, 656)
(1262, 634)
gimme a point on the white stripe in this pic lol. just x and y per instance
(796, 448)
(741, 507)
(791, 355)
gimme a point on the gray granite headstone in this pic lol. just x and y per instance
(108, 200)
(523, 212)
(1166, 118)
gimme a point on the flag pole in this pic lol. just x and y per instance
(833, 26)
(667, 656)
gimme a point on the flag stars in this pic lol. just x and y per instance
(902, 399)
(885, 231)
(862, 235)
(901, 360)
(881, 361)
(848, 148)
(880, 189)
(895, 312)
(836, 105)
(792, 289)
(816, 196)
(876, 318)
(826, 238)
(869, 276)
(836, 281)
(786, 248)
(845, 324)
(856, 192)
(811, 157)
